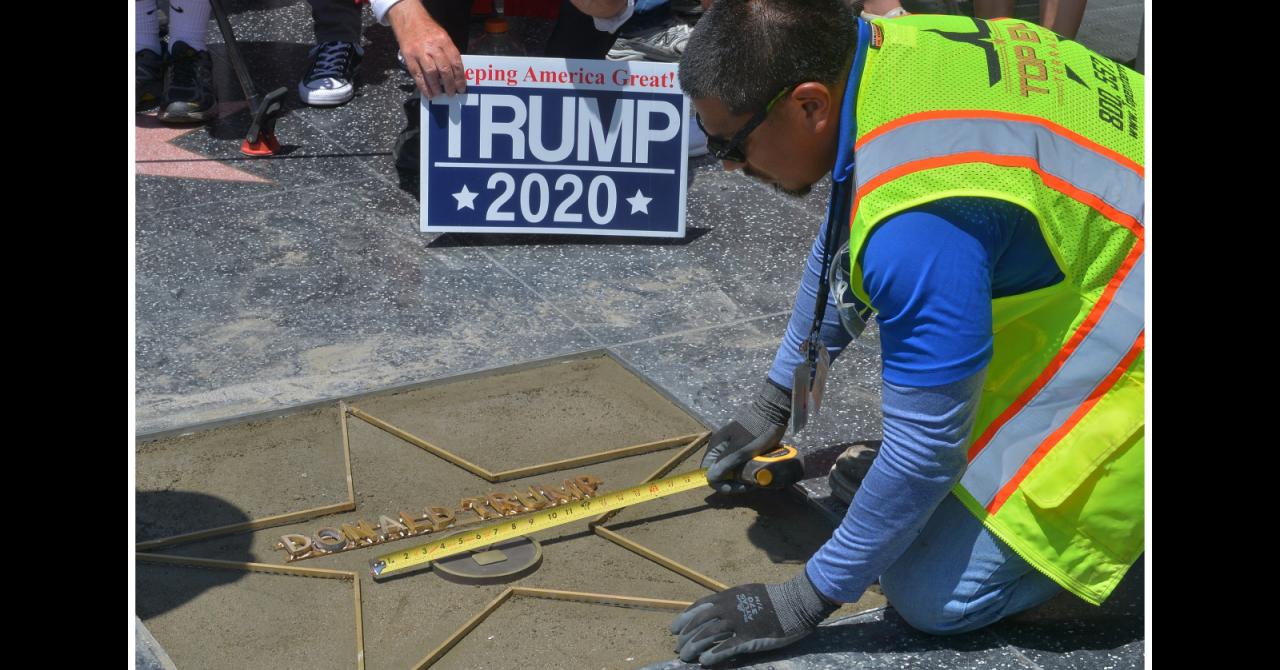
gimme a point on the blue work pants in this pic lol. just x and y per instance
(958, 577)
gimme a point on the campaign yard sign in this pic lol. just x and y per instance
(553, 145)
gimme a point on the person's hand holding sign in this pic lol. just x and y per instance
(429, 54)
(433, 60)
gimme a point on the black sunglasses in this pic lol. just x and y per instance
(730, 149)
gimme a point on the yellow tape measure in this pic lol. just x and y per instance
(533, 522)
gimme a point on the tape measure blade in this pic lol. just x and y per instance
(525, 524)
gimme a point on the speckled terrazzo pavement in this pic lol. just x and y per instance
(265, 284)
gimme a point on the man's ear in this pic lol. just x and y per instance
(816, 104)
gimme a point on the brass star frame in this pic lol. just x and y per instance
(597, 526)
(517, 473)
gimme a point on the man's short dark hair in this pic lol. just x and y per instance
(743, 52)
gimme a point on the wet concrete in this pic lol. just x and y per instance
(551, 412)
(204, 620)
(239, 472)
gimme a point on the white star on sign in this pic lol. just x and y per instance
(466, 198)
(639, 203)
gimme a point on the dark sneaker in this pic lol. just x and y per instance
(330, 78)
(188, 86)
(850, 469)
(148, 75)
(663, 44)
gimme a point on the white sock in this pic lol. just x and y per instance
(188, 22)
(146, 26)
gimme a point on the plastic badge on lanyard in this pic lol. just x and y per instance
(810, 377)
(808, 380)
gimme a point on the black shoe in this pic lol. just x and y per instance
(850, 469)
(148, 75)
(188, 86)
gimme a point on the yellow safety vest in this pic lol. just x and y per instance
(951, 106)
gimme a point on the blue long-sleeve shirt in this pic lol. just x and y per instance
(931, 273)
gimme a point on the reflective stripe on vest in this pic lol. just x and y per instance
(1110, 336)
(1013, 444)
(1088, 167)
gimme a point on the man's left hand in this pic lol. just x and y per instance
(748, 619)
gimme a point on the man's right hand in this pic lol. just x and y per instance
(755, 429)
(429, 54)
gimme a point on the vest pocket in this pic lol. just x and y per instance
(1110, 424)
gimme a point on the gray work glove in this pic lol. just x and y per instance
(755, 429)
(749, 619)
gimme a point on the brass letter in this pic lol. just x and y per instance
(295, 544)
(440, 517)
(553, 497)
(362, 530)
(506, 504)
(409, 521)
(476, 504)
(388, 527)
(572, 488)
(533, 501)
(588, 485)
